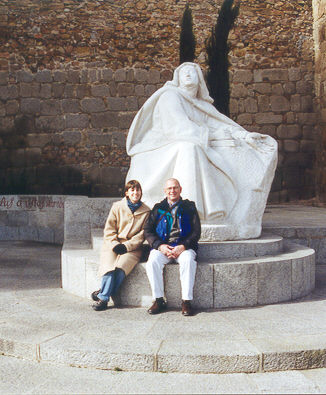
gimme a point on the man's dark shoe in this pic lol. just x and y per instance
(94, 295)
(186, 308)
(100, 305)
(158, 306)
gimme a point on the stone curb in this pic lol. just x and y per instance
(198, 356)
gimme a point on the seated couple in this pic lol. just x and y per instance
(172, 229)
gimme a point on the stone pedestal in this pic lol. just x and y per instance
(229, 274)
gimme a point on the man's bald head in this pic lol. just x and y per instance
(172, 190)
(174, 180)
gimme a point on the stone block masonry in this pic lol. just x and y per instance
(320, 87)
(275, 102)
(124, 33)
(73, 140)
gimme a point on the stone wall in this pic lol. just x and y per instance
(122, 33)
(320, 88)
(36, 218)
(279, 102)
(65, 131)
(74, 74)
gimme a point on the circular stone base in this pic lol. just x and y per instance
(229, 232)
(266, 244)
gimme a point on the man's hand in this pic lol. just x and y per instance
(171, 252)
(166, 250)
(177, 250)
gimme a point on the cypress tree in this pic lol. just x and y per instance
(187, 37)
(217, 48)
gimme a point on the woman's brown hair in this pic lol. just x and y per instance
(132, 184)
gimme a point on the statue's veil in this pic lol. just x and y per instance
(202, 93)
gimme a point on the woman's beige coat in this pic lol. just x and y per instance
(123, 226)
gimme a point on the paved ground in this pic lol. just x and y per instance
(39, 321)
(294, 215)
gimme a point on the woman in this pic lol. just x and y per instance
(123, 237)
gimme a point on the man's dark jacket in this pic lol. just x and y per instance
(158, 227)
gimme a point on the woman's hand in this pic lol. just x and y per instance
(120, 249)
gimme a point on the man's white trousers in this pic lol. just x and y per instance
(187, 269)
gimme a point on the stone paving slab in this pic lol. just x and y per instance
(39, 321)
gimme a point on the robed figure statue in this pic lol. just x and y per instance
(226, 170)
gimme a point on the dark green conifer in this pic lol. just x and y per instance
(187, 37)
(217, 48)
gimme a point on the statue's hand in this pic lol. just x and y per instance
(257, 137)
(260, 141)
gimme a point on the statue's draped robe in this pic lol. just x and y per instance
(225, 173)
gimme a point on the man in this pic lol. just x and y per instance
(172, 231)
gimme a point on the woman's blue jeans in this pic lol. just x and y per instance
(111, 282)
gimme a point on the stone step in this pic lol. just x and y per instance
(267, 244)
(220, 284)
(202, 354)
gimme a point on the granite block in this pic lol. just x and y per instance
(204, 287)
(3, 218)
(295, 352)
(73, 270)
(312, 259)
(135, 290)
(274, 281)
(92, 280)
(17, 218)
(235, 284)
(58, 236)
(18, 349)
(99, 209)
(45, 234)
(76, 207)
(202, 356)
(9, 233)
(301, 277)
(28, 233)
(222, 250)
(319, 245)
(172, 285)
(101, 353)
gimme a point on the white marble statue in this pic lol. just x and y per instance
(225, 169)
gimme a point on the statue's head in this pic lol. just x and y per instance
(190, 74)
